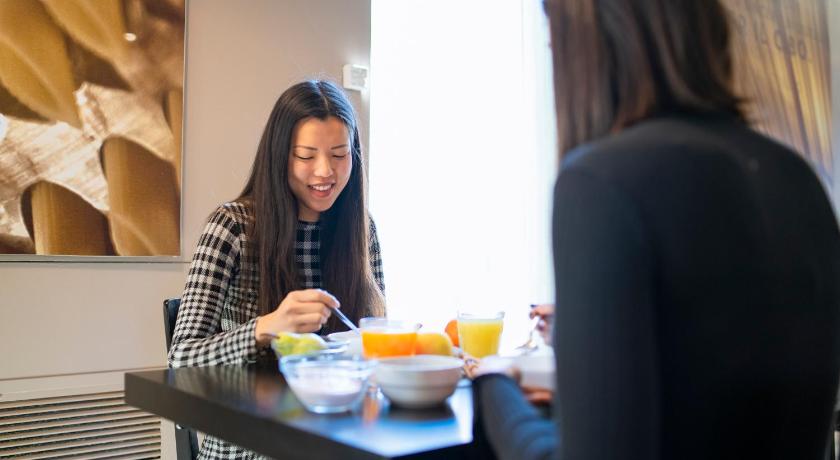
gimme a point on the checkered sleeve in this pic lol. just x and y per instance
(376, 258)
(198, 339)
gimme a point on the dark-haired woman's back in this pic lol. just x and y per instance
(698, 301)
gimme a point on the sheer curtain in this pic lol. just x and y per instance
(462, 157)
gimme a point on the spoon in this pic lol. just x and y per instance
(533, 342)
(346, 321)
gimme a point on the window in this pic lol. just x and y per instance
(462, 157)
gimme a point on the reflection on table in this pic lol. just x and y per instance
(252, 406)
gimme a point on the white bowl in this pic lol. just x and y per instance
(418, 381)
(538, 369)
(352, 339)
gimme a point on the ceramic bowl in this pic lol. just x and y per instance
(418, 381)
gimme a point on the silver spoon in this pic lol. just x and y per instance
(533, 341)
(346, 321)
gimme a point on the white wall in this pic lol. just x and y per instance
(68, 327)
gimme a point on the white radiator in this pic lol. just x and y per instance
(87, 426)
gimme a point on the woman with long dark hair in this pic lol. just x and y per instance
(297, 242)
(696, 261)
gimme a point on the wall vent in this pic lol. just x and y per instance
(88, 426)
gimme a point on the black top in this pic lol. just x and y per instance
(697, 280)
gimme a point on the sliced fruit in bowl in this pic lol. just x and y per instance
(290, 344)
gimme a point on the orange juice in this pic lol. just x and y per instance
(384, 343)
(383, 337)
(479, 337)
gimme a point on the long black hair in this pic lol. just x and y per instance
(344, 254)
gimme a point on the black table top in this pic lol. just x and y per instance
(252, 406)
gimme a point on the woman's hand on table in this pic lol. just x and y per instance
(300, 311)
(475, 368)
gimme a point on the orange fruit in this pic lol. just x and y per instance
(452, 331)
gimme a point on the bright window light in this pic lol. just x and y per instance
(462, 158)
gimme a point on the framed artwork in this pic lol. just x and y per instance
(782, 67)
(91, 101)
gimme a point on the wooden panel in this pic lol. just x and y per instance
(781, 55)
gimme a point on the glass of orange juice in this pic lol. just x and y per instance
(479, 334)
(383, 337)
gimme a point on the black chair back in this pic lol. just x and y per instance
(186, 440)
(170, 315)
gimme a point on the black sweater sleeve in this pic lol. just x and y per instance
(512, 427)
(606, 400)
(604, 334)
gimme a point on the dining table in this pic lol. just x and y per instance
(251, 406)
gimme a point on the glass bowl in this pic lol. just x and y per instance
(327, 383)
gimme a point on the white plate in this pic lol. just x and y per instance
(537, 368)
(350, 338)
(342, 336)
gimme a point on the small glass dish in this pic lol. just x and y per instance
(327, 383)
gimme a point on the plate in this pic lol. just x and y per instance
(342, 336)
(537, 368)
(350, 339)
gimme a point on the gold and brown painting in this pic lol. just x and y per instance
(90, 126)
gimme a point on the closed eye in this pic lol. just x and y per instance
(303, 158)
(340, 156)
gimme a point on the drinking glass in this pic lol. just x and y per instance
(479, 334)
(383, 337)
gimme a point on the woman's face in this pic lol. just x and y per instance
(319, 164)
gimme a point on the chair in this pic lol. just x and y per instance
(186, 440)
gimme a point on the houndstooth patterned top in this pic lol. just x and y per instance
(219, 308)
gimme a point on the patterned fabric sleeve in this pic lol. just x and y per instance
(198, 339)
(376, 258)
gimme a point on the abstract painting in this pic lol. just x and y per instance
(91, 97)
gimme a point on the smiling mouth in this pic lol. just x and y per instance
(322, 187)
